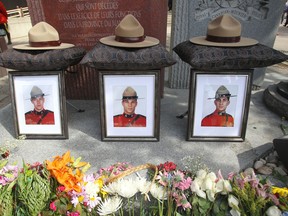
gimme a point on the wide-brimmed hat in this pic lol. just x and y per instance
(129, 93)
(36, 92)
(222, 91)
(130, 34)
(224, 31)
(43, 36)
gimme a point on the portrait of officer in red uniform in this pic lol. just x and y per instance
(39, 115)
(129, 118)
(220, 118)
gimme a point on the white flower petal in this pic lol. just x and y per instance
(158, 192)
(111, 188)
(212, 176)
(201, 193)
(234, 212)
(201, 174)
(194, 186)
(273, 211)
(210, 195)
(127, 188)
(109, 206)
(207, 184)
(143, 185)
(223, 186)
(232, 201)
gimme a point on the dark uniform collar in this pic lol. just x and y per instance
(129, 116)
(38, 113)
(222, 113)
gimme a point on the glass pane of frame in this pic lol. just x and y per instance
(39, 104)
(129, 105)
(219, 105)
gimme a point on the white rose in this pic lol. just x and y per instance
(273, 211)
(201, 174)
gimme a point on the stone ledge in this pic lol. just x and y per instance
(275, 101)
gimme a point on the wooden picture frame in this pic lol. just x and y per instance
(29, 121)
(117, 127)
(204, 123)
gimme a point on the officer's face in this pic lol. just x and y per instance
(221, 103)
(38, 103)
(129, 105)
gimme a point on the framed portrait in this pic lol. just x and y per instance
(129, 105)
(219, 105)
(39, 104)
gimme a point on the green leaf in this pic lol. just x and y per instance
(204, 204)
(64, 201)
(3, 163)
(76, 161)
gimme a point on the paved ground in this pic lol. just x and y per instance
(85, 131)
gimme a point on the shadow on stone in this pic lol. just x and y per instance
(281, 147)
(257, 153)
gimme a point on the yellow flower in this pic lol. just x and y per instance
(283, 192)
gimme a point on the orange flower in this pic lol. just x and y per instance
(63, 168)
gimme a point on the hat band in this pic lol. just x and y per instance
(38, 95)
(130, 39)
(220, 39)
(129, 97)
(222, 95)
(45, 43)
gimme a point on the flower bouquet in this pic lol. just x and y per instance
(64, 187)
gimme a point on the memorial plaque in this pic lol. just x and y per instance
(84, 22)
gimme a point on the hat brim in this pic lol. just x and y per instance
(43, 96)
(216, 98)
(242, 43)
(28, 47)
(148, 42)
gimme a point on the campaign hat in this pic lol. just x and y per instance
(129, 34)
(224, 31)
(43, 36)
(36, 92)
(129, 93)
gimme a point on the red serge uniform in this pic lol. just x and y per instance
(125, 120)
(3, 13)
(216, 119)
(43, 117)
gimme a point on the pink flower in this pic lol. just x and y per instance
(61, 188)
(162, 178)
(53, 206)
(73, 213)
(184, 184)
(231, 175)
(182, 201)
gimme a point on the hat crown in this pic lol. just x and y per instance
(42, 32)
(129, 27)
(222, 90)
(36, 91)
(129, 91)
(224, 26)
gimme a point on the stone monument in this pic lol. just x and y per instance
(259, 19)
(84, 22)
